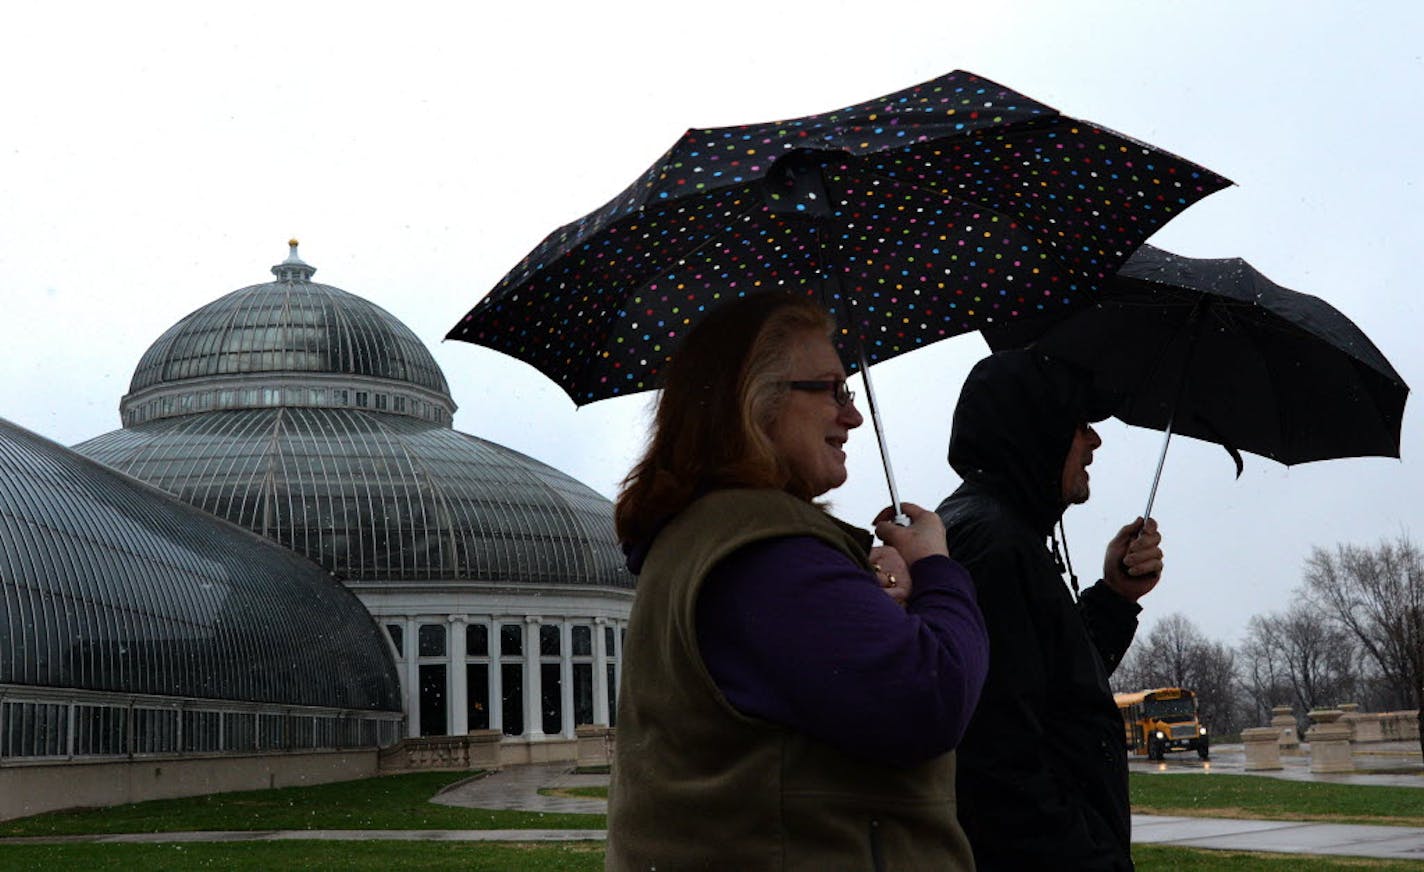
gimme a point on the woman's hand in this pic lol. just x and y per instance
(923, 538)
(892, 572)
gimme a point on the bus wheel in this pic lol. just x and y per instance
(1154, 750)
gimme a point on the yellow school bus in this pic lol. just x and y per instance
(1162, 720)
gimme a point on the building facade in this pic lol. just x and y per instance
(318, 420)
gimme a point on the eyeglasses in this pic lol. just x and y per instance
(838, 389)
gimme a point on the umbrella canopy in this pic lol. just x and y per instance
(1213, 349)
(934, 211)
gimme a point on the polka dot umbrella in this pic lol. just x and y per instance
(940, 209)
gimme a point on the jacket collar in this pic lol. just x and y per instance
(636, 553)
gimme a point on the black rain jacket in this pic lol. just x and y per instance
(1042, 780)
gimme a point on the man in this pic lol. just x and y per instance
(1042, 777)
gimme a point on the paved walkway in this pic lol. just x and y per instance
(517, 787)
(1288, 837)
(323, 836)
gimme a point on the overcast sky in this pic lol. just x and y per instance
(154, 157)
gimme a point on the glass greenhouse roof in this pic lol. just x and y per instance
(107, 584)
(374, 496)
(291, 325)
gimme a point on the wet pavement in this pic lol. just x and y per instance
(1396, 764)
(320, 836)
(1287, 837)
(517, 788)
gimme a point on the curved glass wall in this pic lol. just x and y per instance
(379, 497)
(109, 586)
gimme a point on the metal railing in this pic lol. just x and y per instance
(64, 724)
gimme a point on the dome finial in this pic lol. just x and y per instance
(293, 269)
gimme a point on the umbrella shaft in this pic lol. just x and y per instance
(900, 517)
(1193, 330)
(1161, 459)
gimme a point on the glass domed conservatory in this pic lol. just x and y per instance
(317, 419)
(133, 624)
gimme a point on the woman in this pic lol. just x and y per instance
(777, 709)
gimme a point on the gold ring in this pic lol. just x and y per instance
(890, 577)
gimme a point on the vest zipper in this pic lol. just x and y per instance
(877, 853)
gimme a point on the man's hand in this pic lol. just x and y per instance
(1133, 564)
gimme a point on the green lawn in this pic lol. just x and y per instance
(492, 857)
(266, 856)
(402, 802)
(392, 802)
(1254, 796)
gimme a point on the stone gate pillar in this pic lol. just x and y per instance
(1329, 739)
(1283, 719)
(1263, 748)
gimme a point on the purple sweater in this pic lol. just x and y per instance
(795, 633)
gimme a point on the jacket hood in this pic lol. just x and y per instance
(1013, 425)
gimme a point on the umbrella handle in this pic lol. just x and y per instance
(900, 517)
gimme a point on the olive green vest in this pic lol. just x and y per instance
(697, 785)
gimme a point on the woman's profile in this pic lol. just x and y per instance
(790, 696)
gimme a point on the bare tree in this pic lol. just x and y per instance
(1131, 674)
(1218, 686)
(1376, 595)
(1263, 669)
(1302, 654)
(1176, 654)
(1163, 658)
(1174, 643)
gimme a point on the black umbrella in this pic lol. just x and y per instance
(1213, 349)
(934, 211)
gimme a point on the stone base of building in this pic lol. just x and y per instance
(33, 788)
(489, 749)
(480, 749)
(595, 746)
(551, 750)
